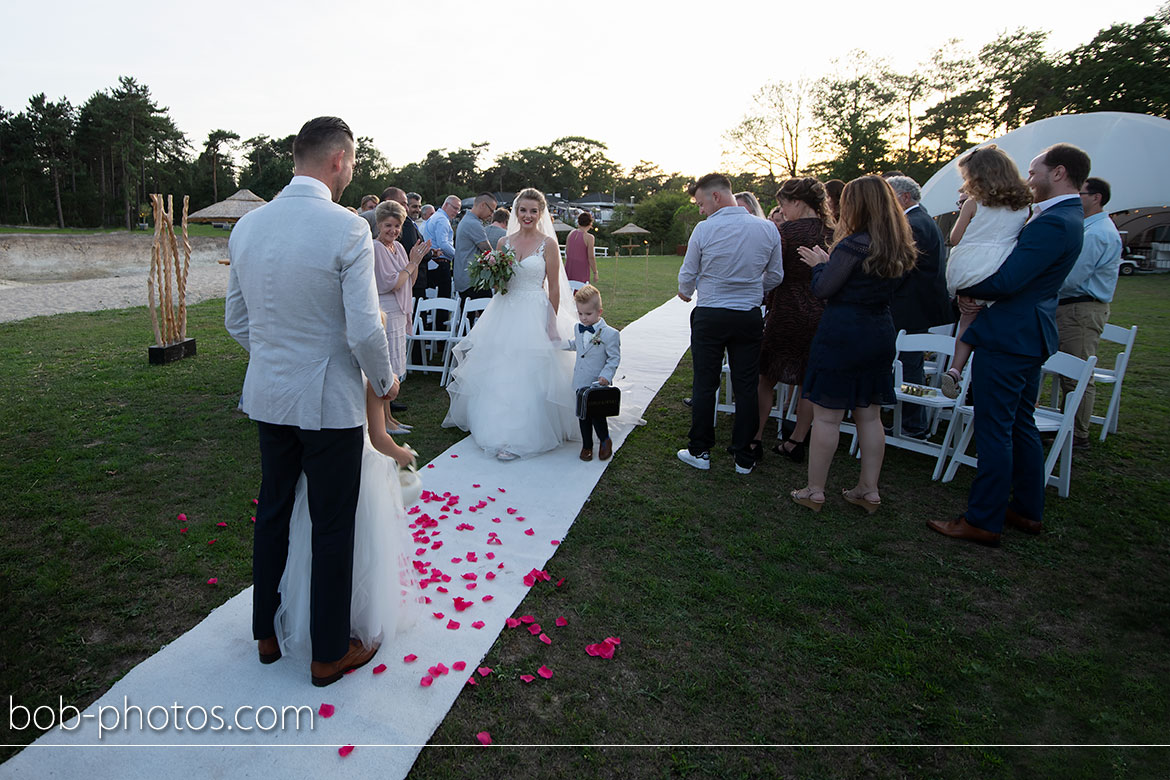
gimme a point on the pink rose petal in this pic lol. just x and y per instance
(529, 531)
(560, 582)
(222, 525)
(426, 681)
(475, 485)
(501, 490)
(484, 738)
(545, 672)
(438, 615)
(544, 638)
(555, 542)
(182, 518)
(470, 586)
(534, 629)
(345, 751)
(511, 622)
(442, 667)
(511, 510)
(488, 597)
(182, 530)
(212, 581)
(211, 542)
(527, 619)
(459, 666)
(490, 556)
(470, 575)
(491, 575)
(409, 659)
(326, 710)
(477, 624)
(256, 501)
(452, 625)
(430, 465)
(471, 680)
(562, 621)
(527, 678)
(484, 671)
(456, 560)
(379, 668)
(253, 519)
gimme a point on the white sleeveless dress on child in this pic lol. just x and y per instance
(384, 598)
(511, 384)
(987, 242)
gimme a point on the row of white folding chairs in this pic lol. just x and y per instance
(435, 335)
(1125, 337)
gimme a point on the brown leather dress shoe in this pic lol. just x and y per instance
(959, 528)
(1021, 523)
(586, 454)
(269, 650)
(606, 449)
(328, 673)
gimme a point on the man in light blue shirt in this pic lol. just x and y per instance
(438, 231)
(732, 259)
(1086, 293)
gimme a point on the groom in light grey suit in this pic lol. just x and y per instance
(301, 300)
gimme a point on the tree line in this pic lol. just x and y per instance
(95, 165)
(866, 117)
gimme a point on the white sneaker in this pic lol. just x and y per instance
(743, 469)
(701, 462)
(506, 456)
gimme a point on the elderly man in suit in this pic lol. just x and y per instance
(1013, 338)
(920, 302)
(301, 300)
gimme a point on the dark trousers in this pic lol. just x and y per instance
(739, 333)
(1011, 458)
(913, 371)
(331, 460)
(588, 426)
(440, 279)
(472, 293)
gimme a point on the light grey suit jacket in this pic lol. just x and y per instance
(301, 300)
(596, 360)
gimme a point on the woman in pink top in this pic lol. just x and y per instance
(580, 264)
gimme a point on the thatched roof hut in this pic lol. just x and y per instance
(229, 210)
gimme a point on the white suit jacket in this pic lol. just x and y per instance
(301, 300)
(595, 360)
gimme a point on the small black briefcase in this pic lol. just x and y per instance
(598, 401)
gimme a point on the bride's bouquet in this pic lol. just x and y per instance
(492, 270)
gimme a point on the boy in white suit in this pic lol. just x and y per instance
(599, 350)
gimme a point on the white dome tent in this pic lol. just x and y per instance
(1130, 151)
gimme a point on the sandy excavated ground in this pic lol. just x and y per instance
(54, 274)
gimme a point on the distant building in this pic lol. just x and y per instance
(601, 206)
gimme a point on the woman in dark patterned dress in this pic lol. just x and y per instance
(793, 311)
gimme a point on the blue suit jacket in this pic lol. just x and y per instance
(1022, 321)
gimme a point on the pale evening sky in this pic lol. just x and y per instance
(659, 81)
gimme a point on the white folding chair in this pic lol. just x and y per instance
(429, 336)
(1048, 420)
(1114, 376)
(928, 396)
(472, 308)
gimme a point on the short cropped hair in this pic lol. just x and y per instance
(587, 293)
(484, 197)
(904, 185)
(1100, 187)
(392, 193)
(320, 137)
(413, 196)
(389, 208)
(501, 215)
(1074, 159)
(584, 218)
(712, 181)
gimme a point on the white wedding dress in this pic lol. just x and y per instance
(384, 597)
(512, 383)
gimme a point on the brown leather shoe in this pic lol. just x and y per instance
(586, 454)
(606, 449)
(328, 673)
(1021, 523)
(269, 650)
(959, 528)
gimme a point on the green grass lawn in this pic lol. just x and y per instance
(744, 619)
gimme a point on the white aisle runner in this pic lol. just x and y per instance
(214, 664)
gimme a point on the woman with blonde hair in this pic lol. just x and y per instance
(851, 359)
(751, 203)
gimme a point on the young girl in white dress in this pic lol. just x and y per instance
(511, 385)
(383, 598)
(990, 220)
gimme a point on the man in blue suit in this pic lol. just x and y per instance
(1012, 339)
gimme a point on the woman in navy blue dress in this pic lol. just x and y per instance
(851, 359)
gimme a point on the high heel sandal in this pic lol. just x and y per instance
(807, 500)
(869, 506)
(796, 454)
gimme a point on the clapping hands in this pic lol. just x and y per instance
(812, 256)
(420, 250)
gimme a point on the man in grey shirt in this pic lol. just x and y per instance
(732, 260)
(499, 227)
(471, 240)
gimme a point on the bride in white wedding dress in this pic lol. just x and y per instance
(511, 384)
(383, 598)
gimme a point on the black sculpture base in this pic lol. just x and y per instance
(171, 352)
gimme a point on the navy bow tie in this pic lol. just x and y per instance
(582, 328)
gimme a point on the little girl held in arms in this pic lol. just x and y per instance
(990, 220)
